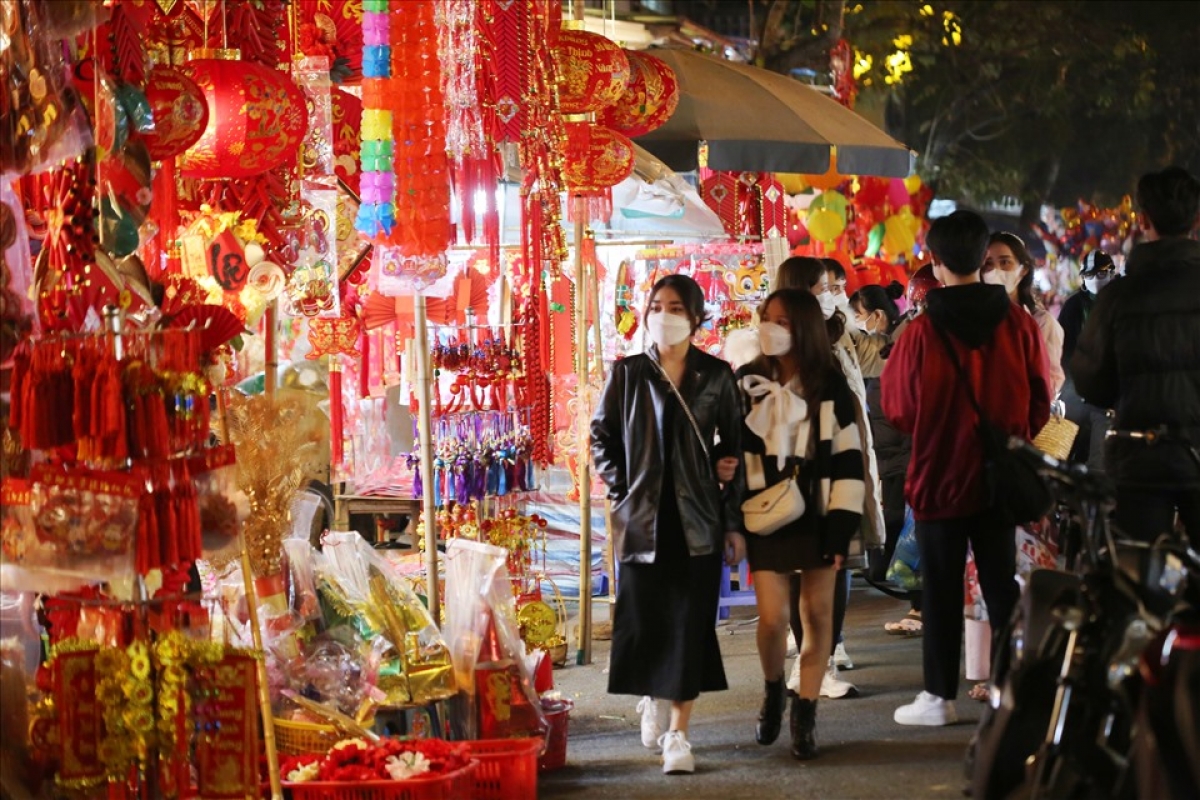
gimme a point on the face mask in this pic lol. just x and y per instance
(828, 304)
(852, 321)
(773, 339)
(667, 330)
(1008, 280)
(843, 303)
(864, 325)
(1094, 285)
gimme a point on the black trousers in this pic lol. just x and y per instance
(1146, 514)
(943, 546)
(841, 597)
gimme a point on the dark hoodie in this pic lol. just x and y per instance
(1000, 348)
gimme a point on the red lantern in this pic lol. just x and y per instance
(649, 100)
(592, 72)
(597, 158)
(179, 111)
(256, 119)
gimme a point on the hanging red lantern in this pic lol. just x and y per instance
(597, 158)
(179, 111)
(592, 72)
(649, 100)
(256, 119)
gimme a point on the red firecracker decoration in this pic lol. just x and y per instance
(592, 71)
(179, 110)
(256, 119)
(649, 100)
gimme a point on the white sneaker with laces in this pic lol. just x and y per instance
(841, 658)
(656, 717)
(677, 753)
(927, 709)
(834, 687)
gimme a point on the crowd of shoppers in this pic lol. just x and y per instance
(872, 415)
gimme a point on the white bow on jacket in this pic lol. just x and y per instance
(777, 413)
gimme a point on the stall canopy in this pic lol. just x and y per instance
(759, 121)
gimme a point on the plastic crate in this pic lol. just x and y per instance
(457, 785)
(507, 769)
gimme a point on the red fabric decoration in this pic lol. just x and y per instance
(256, 119)
(592, 71)
(597, 159)
(649, 99)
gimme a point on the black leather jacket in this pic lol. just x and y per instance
(627, 446)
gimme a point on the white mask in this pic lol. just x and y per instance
(774, 339)
(828, 303)
(999, 277)
(843, 303)
(1094, 285)
(667, 330)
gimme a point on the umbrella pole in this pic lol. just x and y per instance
(583, 459)
(425, 443)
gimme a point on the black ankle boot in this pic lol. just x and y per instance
(804, 728)
(770, 716)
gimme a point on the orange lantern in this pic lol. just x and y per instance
(830, 179)
(256, 119)
(179, 111)
(592, 72)
(649, 99)
(597, 158)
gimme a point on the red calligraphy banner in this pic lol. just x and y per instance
(78, 718)
(227, 750)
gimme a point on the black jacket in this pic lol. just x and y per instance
(1072, 318)
(627, 447)
(1140, 355)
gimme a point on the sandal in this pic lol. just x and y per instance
(909, 626)
(979, 692)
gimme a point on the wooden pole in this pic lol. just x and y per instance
(584, 459)
(271, 346)
(264, 689)
(425, 442)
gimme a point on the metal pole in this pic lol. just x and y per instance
(425, 442)
(584, 461)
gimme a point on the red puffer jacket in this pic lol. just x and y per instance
(1000, 347)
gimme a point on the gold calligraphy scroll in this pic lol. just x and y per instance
(227, 749)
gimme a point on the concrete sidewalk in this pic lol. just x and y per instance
(864, 754)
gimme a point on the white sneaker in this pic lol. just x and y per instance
(841, 658)
(656, 718)
(834, 687)
(676, 753)
(927, 709)
(793, 681)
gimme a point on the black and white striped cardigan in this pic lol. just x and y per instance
(836, 449)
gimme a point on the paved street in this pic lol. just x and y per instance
(864, 753)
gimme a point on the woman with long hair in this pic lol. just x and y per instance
(676, 511)
(800, 423)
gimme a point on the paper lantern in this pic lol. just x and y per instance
(592, 72)
(825, 225)
(649, 100)
(256, 119)
(178, 110)
(792, 182)
(898, 236)
(597, 158)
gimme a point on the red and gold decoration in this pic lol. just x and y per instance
(179, 111)
(256, 119)
(748, 203)
(593, 71)
(649, 99)
(597, 159)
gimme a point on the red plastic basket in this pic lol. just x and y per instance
(506, 769)
(457, 785)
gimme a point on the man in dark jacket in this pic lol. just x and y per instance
(1097, 270)
(1140, 355)
(999, 347)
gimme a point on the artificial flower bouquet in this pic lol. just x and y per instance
(358, 760)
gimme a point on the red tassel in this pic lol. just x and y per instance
(335, 417)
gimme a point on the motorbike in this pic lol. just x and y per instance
(1096, 679)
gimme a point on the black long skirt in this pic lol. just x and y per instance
(664, 640)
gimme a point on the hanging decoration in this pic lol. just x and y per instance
(593, 71)
(179, 112)
(748, 203)
(649, 99)
(597, 160)
(256, 118)
(376, 216)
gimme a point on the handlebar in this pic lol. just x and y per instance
(1075, 476)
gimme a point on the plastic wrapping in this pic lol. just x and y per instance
(302, 579)
(490, 662)
(360, 588)
(223, 505)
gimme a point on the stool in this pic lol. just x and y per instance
(742, 596)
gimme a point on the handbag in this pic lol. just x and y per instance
(1058, 436)
(1014, 488)
(779, 504)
